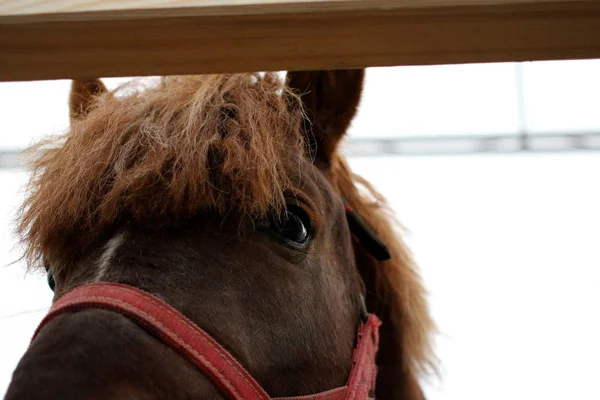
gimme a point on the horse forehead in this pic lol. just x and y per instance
(314, 183)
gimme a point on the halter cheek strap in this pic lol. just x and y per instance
(365, 236)
(197, 346)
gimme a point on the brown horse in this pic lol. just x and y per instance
(225, 197)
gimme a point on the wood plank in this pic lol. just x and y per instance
(66, 39)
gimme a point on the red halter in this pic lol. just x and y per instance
(181, 334)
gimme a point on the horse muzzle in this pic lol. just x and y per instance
(192, 343)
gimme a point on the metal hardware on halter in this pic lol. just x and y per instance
(365, 236)
(364, 314)
(50, 278)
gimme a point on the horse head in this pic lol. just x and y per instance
(227, 198)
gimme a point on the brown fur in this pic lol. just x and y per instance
(395, 289)
(81, 99)
(224, 144)
(209, 142)
(399, 295)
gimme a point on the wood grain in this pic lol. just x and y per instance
(63, 39)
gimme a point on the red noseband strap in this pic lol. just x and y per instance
(181, 334)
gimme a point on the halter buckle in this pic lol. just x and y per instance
(364, 314)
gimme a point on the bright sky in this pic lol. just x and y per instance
(508, 245)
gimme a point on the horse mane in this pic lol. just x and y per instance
(401, 297)
(188, 144)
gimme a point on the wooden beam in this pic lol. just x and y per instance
(68, 39)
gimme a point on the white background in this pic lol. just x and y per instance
(509, 245)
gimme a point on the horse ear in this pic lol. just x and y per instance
(82, 96)
(330, 100)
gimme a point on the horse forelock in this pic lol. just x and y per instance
(213, 142)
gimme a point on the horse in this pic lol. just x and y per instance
(225, 202)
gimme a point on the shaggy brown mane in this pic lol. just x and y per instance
(403, 307)
(191, 143)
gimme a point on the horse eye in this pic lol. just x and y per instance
(293, 227)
